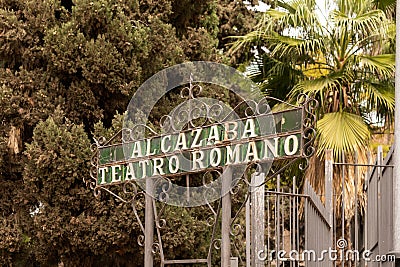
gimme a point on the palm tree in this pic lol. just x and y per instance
(344, 60)
(345, 63)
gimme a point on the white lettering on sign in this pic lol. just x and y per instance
(181, 143)
(249, 129)
(291, 145)
(198, 160)
(130, 172)
(214, 146)
(213, 136)
(115, 175)
(232, 155)
(230, 133)
(164, 147)
(196, 139)
(157, 166)
(137, 150)
(251, 153)
(271, 148)
(215, 157)
(173, 164)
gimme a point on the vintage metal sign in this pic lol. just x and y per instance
(212, 146)
(204, 136)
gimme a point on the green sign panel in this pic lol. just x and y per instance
(254, 139)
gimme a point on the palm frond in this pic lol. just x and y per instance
(242, 42)
(379, 95)
(385, 4)
(321, 85)
(300, 46)
(341, 132)
(383, 65)
(364, 23)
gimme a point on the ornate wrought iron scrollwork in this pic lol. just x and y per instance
(309, 131)
(134, 195)
(130, 193)
(216, 243)
(155, 248)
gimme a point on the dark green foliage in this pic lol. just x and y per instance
(66, 68)
(68, 223)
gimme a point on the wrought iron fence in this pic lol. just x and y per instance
(363, 218)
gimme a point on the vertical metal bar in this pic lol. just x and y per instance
(278, 241)
(187, 188)
(294, 214)
(297, 221)
(366, 216)
(149, 224)
(356, 168)
(290, 224)
(283, 222)
(349, 262)
(334, 222)
(226, 218)
(258, 217)
(328, 190)
(343, 201)
(396, 153)
(379, 204)
(268, 231)
(306, 230)
(248, 237)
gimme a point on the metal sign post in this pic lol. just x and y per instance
(226, 218)
(149, 225)
(257, 218)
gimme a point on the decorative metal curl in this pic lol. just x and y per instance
(182, 116)
(262, 107)
(126, 135)
(301, 99)
(309, 132)
(92, 181)
(166, 124)
(93, 147)
(160, 223)
(97, 192)
(196, 113)
(210, 221)
(189, 92)
(100, 141)
(166, 186)
(135, 203)
(126, 190)
(236, 229)
(249, 111)
(216, 244)
(215, 110)
(209, 172)
(236, 188)
(140, 240)
(138, 131)
(155, 248)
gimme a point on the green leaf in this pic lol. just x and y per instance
(381, 64)
(341, 132)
